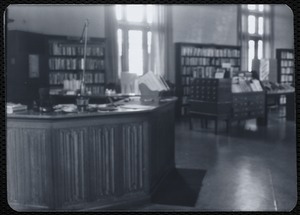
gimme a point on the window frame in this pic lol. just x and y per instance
(244, 35)
(125, 26)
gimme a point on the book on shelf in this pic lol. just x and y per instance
(287, 55)
(74, 49)
(220, 73)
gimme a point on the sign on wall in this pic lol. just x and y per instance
(33, 66)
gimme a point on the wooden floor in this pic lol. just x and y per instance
(251, 169)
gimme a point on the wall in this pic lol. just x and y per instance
(57, 19)
(205, 24)
(283, 27)
(215, 24)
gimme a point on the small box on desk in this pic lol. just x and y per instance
(149, 97)
(151, 87)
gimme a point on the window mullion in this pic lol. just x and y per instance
(256, 24)
(145, 51)
(255, 48)
(125, 50)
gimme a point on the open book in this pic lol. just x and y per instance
(153, 82)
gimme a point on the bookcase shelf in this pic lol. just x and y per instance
(285, 60)
(195, 60)
(286, 70)
(65, 62)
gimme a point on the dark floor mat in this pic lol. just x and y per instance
(181, 187)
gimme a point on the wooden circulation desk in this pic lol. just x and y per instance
(82, 161)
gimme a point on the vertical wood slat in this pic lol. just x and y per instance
(102, 181)
(133, 154)
(27, 171)
(71, 171)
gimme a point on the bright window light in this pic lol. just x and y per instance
(251, 6)
(149, 40)
(120, 41)
(149, 13)
(260, 25)
(250, 54)
(135, 13)
(119, 14)
(251, 24)
(261, 7)
(260, 49)
(135, 52)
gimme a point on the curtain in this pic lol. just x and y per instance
(159, 41)
(243, 36)
(112, 62)
(268, 37)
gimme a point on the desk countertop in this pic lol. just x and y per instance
(279, 92)
(132, 107)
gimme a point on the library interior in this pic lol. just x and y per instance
(150, 107)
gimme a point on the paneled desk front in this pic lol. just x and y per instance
(82, 161)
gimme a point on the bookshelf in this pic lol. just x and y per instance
(65, 62)
(195, 60)
(285, 61)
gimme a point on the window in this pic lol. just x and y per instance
(254, 20)
(134, 37)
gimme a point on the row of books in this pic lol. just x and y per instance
(73, 50)
(196, 61)
(90, 78)
(227, 53)
(209, 52)
(205, 72)
(95, 90)
(287, 70)
(287, 55)
(93, 78)
(232, 62)
(286, 78)
(91, 90)
(75, 64)
(287, 63)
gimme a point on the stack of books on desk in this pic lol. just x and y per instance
(11, 107)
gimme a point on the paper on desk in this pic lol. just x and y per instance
(153, 82)
(136, 106)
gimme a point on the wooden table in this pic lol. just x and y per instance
(80, 161)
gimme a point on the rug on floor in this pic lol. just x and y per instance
(181, 187)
